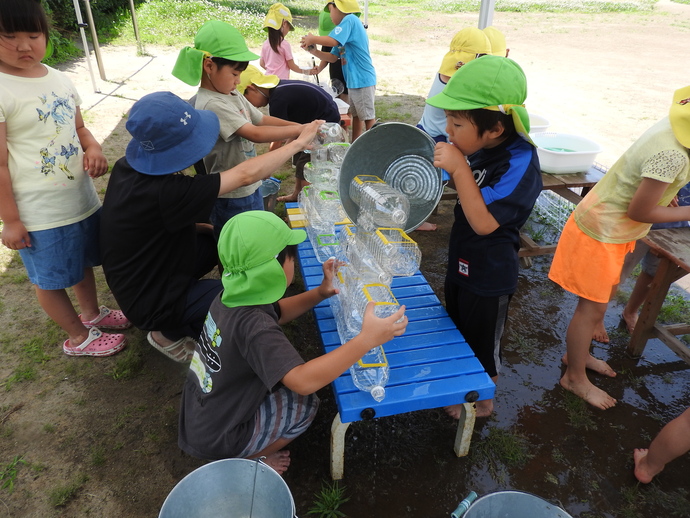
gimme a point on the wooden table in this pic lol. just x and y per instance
(431, 365)
(673, 248)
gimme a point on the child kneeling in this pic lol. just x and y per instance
(248, 392)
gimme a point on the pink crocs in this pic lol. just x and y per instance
(97, 344)
(108, 319)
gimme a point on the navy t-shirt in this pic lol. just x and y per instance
(302, 102)
(509, 177)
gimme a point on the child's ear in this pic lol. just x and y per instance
(208, 65)
(498, 130)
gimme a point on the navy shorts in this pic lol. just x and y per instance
(226, 208)
(58, 256)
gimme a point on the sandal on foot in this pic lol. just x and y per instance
(181, 351)
(97, 344)
(108, 319)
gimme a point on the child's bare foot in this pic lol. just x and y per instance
(427, 227)
(600, 334)
(642, 472)
(594, 364)
(587, 391)
(455, 411)
(279, 461)
(482, 408)
(630, 320)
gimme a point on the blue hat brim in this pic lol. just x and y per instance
(179, 157)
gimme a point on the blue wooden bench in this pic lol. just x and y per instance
(431, 365)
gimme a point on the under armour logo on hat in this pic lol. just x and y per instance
(184, 120)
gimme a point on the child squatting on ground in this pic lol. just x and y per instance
(156, 241)
(603, 228)
(276, 54)
(358, 67)
(495, 170)
(48, 203)
(217, 60)
(248, 392)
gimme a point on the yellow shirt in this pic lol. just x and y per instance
(602, 214)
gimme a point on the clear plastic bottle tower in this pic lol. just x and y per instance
(386, 206)
(393, 250)
(359, 295)
(322, 176)
(303, 199)
(323, 239)
(370, 373)
(329, 133)
(355, 253)
(327, 205)
(337, 151)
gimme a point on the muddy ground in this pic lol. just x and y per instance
(97, 437)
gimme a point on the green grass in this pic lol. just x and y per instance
(579, 413)
(62, 495)
(501, 449)
(328, 501)
(9, 473)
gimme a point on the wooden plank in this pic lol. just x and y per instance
(673, 343)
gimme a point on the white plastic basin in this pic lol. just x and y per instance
(537, 123)
(562, 153)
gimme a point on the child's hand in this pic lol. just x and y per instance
(306, 41)
(381, 330)
(330, 267)
(95, 162)
(15, 236)
(447, 156)
(308, 133)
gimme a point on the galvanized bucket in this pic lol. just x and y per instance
(401, 155)
(230, 488)
(513, 504)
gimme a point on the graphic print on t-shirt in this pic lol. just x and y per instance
(209, 360)
(463, 267)
(61, 111)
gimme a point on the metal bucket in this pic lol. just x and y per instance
(269, 191)
(230, 488)
(403, 156)
(514, 504)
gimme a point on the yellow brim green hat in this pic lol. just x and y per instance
(679, 115)
(214, 39)
(247, 248)
(464, 47)
(490, 83)
(254, 76)
(275, 16)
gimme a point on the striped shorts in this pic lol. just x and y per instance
(284, 414)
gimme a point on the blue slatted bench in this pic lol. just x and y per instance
(431, 365)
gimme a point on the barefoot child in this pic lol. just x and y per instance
(248, 392)
(487, 126)
(672, 442)
(603, 228)
(48, 204)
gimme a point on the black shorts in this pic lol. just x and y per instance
(481, 320)
(336, 69)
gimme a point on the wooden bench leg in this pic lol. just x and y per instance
(463, 436)
(338, 430)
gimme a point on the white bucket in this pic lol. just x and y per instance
(230, 488)
(514, 504)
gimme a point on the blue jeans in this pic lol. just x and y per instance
(226, 208)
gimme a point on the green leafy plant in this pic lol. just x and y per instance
(9, 473)
(329, 500)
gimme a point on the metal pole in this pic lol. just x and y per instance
(94, 38)
(81, 24)
(486, 13)
(366, 14)
(136, 26)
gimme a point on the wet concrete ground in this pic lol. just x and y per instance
(541, 440)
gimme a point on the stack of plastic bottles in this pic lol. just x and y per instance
(373, 252)
(320, 201)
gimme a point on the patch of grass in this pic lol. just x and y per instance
(98, 455)
(8, 474)
(62, 495)
(579, 414)
(545, 6)
(502, 449)
(49, 428)
(676, 309)
(329, 500)
(635, 498)
(127, 365)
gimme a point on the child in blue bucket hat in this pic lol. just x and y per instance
(155, 241)
(249, 393)
(495, 170)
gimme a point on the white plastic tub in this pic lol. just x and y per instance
(537, 123)
(562, 153)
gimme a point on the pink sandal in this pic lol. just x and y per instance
(108, 319)
(97, 344)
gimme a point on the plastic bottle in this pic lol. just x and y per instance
(337, 151)
(360, 258)
(393, 250)
(323, 175)
(370, 373)
(303, 199)
(327, 205)
(323, 239)
(329, 133)
(387, 206)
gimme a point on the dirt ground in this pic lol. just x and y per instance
(108, 442)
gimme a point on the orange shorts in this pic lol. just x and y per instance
(587, 267)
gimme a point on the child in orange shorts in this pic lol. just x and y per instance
(619, 210)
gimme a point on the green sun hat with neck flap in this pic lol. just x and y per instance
(491, 83)
(214, 39)
(247, 248)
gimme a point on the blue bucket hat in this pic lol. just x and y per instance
(168, 134)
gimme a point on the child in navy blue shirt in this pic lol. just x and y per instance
(495, 171)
